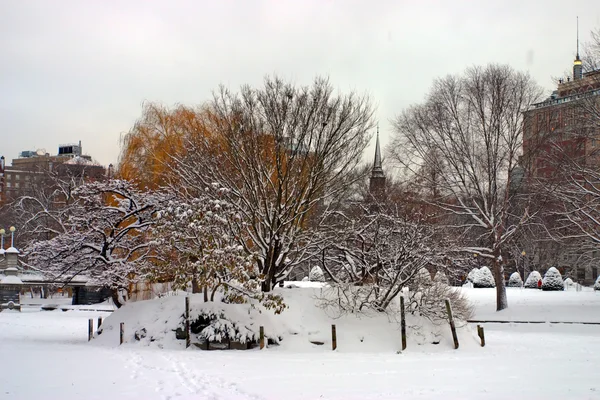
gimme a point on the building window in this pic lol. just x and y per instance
(17, 176)
(7, 184)
(16, 184)
(8, 176)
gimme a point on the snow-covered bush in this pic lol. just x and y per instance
(569, 283)
(484, 279)
(597, 284)
(316, 274)
(441, 277)
(426, 298)
(553, 280)
(532, 280)
(515, 280)
(473, 275)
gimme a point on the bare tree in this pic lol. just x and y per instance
(371, 256)
(281, 151)
(468, 136)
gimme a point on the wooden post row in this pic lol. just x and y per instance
(188, 336)
(333, 338)
(262, 337)
(122, 333)
(90, 329)
(452, 327)
(403, 322)
(481, 335)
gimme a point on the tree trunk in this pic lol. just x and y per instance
(114, 294)
(205, 294)
(501, 301)
(196, 288)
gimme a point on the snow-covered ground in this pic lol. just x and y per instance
(45, 354)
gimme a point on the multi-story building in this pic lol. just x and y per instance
(33, 169)
(559, 131)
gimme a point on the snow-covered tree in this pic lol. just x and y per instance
(515, 280)
(532, 280)
(103, 236)
(465, 140)
(484, 278)
(203, 254)
(552, 280)
(282, 151)
(316, 274)
(597, 284)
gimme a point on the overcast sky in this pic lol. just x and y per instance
(79, 70)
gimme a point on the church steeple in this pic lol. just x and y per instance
(577, 67)
(377, 180)
(377, 170)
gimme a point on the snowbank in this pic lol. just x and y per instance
(299, 328)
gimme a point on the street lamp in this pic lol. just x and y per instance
(2, 232)
(12, 236)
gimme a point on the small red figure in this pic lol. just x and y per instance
(539, 283)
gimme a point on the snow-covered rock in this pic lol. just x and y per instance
(316, 274)
(484, 279)
(597, 284)
(553, 280)
(532, 280)
(515, 280)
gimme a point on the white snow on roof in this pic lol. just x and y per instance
(12, 250)
(11, 280)
(81, 161)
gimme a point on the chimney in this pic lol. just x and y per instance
(2, 164)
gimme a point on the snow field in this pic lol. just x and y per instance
(51, 358)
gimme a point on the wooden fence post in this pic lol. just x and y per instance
(481, 335)
(99, 322)
(402, 322)
(262, 337)
(452, 327)
(122, 333)
(333, 338)
(90, 329)
(188, 338)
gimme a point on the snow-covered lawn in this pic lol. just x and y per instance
(46, 355)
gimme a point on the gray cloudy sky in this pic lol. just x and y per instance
(79, 70)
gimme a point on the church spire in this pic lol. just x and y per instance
(377, 180)
(377, 170)
(577, 67)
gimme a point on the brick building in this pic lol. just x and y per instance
(559, 130)
(32, 170)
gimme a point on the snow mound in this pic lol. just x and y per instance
(597, 284)
(532, 280)
(484, 279)
(553, 280)
(304, 326)
(515, 280)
